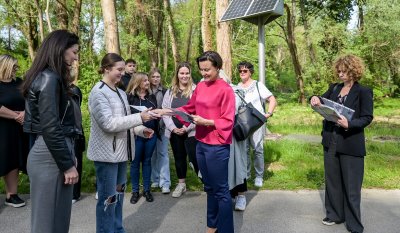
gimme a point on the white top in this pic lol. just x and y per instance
(253, 96)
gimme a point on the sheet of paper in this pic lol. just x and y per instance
(139, 108)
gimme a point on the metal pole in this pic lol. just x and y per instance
(261, 50)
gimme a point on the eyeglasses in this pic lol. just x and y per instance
(243, 71)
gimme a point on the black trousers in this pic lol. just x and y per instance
(79, 157)
(241, 188)
(343, 181)
(183, 146)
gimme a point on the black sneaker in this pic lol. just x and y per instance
(148, 196)
(327, 221)
(15, 201)
(135, 197)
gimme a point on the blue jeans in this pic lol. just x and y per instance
(160, 172)
(144, 148)
(213, 164)
(110, 202)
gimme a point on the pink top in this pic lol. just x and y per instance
(213, 100)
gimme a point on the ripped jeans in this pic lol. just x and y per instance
(111, 198)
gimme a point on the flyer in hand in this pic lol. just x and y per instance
(186, 117)
(331, 110)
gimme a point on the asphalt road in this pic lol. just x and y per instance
(266, 212)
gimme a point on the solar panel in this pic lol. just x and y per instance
(236, 9)
(260, 6)
(250, 10)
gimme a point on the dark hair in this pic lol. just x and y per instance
(247, 65)
(51, 55)
(211, 56)
(130, 60)
(109, 61)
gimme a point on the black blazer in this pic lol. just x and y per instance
(352, 140)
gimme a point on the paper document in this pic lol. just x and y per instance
(331, 110)
(186, 117)
(139, 108)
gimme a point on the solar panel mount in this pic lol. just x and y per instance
(254, 10)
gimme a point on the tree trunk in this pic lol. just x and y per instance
(76, 20)
(224, 38)
(40, 18)
(48, 16)
(110, 26)
(148, 31)
(189, 41)
(62, 14)
(360, 5)
(172, 33)
(206, 32)
(166, 57)
(310, 45)
(291, 41)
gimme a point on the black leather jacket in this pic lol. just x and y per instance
(49, 112)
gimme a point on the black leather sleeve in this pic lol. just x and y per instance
(48, 105)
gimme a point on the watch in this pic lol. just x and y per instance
(270, 114)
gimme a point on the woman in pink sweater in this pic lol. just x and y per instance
(212, 107)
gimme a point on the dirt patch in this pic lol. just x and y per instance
(272, 136)
(389, 120)
(304, 138)
(385, 139)
(275, 167)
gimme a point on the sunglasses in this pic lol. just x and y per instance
(243, 71)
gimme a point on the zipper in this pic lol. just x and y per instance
(65, 112)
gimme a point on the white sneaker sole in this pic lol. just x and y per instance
(15, 205)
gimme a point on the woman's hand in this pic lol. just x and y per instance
(315, 101)
(198, 120)
(148, 133)
(179, 131)
(147, 115)
(164, 111)
(20, 117)
(342, 122)
(71, 176)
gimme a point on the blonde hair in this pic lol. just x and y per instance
(175, 82)
(134, 83)
(7, 63)
(352, 65)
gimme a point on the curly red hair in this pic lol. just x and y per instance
(350, 64)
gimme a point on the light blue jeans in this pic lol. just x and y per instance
(256, 141)
(110, 202)
(160, 172)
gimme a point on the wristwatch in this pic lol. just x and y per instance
(270, 114)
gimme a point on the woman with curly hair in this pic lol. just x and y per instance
(344, 144)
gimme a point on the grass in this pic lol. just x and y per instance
(294, 165)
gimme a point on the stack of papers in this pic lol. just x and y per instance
(331, 110)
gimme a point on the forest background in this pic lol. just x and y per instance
(301, 47)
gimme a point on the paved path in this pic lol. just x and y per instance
(267, 212)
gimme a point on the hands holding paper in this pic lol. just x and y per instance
(343, 122)
(315, 101)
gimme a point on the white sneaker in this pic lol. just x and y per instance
(154, 185)
(179, 190)
(258, 182)
(240, 203)
(165, 190)
(96, 196)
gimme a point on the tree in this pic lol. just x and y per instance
(224, 38)
(206, 32)
(172, 32)
(110, 26)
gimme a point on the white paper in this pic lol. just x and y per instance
(139, 108)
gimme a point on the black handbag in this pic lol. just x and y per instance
(247, 120)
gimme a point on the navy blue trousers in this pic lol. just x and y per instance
(213, 164)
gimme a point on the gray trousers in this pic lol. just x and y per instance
(50, 197)
(256, 141)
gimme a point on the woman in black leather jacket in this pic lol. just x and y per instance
(49, 113)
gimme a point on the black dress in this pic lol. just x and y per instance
(13, 142)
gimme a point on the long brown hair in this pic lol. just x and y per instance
(175, 81)
(51, 55)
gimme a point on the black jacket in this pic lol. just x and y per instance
(50, 113)
(352, 140)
